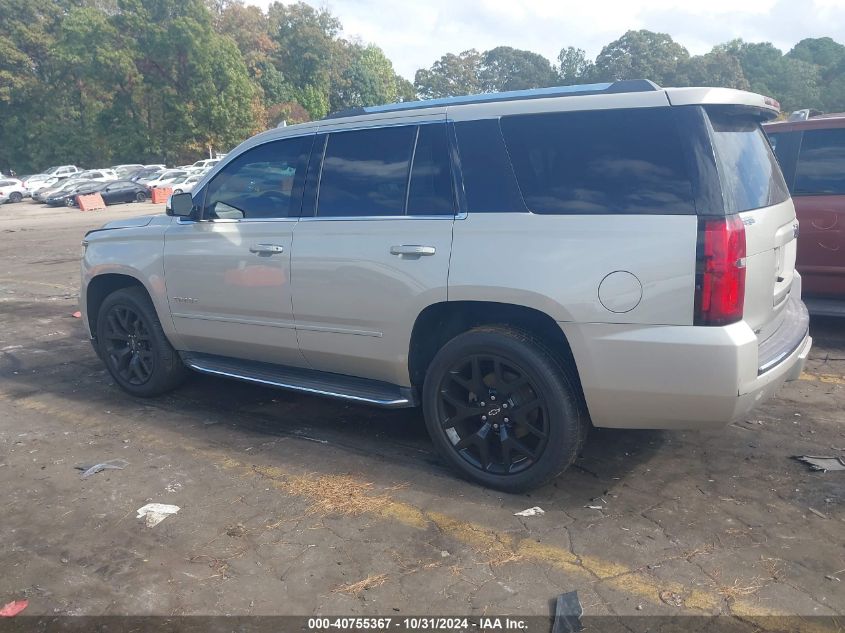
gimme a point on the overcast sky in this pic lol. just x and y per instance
(415, 33)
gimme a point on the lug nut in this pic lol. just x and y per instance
(492, 397)
(506, 420)
(483, 418)
(495, 426)
(481, 404)
(505, 405)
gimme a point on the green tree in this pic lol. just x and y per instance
(822, 51)
(573, 66)
(642, 55)
(716, 68)
(450, 76)
(504, 68)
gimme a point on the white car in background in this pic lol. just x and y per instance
(12, 190)
(164, 178)
(40, 181)
(206, 164)
(99, 175)
(184, 184)
(155, 166)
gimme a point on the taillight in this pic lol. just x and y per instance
(720, 271)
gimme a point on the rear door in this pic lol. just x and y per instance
(753, 187)
(375, 250)
(819, 193)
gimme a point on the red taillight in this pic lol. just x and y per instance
(720, 278)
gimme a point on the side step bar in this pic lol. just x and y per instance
(319, 383)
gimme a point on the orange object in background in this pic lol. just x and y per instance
(91, 202)
(161, 194)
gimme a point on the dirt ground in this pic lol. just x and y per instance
(291, 504)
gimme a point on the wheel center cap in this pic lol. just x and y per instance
(494, 412)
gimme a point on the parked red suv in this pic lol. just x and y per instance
(811, 153)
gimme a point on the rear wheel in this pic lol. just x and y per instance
(501, 409)
(132, 343)
(15, 197)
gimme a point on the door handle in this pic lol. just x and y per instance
(266, 249)
(414, 250)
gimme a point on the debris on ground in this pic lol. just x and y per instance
(11, 609)
(530, 512)
(671, 598)
(817, 513)
(155, 513)
(594, 507)
(236, 530)
(77, 315)
(818, 462)
(112, 464)
(568, 612)
(370, 582)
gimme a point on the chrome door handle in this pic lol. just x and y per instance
(414, 250)
(266, 249)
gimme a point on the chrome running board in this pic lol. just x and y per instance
(363, 390)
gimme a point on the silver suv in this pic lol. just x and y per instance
(521, 265)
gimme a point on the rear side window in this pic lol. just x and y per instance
(750, 175)
(599, 162)
(430, 190)
(365, 172)
(261, 182)
(821, 163)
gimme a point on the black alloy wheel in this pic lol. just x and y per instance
(133, 345)
(503, 409)
(127, 345)
(495, 417)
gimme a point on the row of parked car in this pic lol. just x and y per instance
(61, 184)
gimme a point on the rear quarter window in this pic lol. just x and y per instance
(627, 161)
(748, 170)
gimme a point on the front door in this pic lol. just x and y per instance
(228, 273)
(375, 251)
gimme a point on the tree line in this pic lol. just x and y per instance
(98, 82)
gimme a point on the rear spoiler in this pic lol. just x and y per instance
(767, 107)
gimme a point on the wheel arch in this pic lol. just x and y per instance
(440, 322)
(101, 287)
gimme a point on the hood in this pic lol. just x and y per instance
(127, 223)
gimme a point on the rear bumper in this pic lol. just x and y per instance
(680, 377)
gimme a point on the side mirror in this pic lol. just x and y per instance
(181, 205)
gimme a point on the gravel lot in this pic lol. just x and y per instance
(291, 504)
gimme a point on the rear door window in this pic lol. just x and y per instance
(599, 162)
(748, 170)
(821, 163)
(365, 172)
(430, 191)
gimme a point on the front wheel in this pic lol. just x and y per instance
(15, 197)
(132, 343)
(501, 409)
(140, 197)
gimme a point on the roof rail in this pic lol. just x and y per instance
(628, 85)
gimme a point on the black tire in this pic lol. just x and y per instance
(15, 196)
(522, 373)
(132, 344)
(140, 197)
(70, 202)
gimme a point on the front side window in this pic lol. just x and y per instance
(599, 162)
(750, 175)
(365, 172)
(821, 163)
(260, 183)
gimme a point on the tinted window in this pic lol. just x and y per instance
(821, 163)
(260, 183)
(430, 191)
(750, 175)
(365, 172)
(601, 161)
(488, 179)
